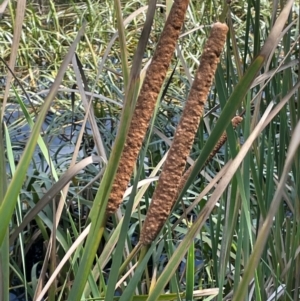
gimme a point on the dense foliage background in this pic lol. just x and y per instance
(233, 233)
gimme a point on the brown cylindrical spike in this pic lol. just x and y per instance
(167, 187)
(146, 101)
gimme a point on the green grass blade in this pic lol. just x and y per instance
(14, 50)
(4, 249)
(263, 234)
(122, 40)
(190, 272)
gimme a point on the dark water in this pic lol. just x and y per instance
(60, 137)
(13, 297)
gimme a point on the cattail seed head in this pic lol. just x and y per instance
(167, 187)
(146, 101)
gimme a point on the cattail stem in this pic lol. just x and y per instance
(167, 187)
(146, 101)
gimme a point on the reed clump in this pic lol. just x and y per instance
(146, 101)
(168, 184)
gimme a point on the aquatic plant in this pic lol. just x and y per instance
(146, 101)
(169, 180)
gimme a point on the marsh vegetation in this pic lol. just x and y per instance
(149, 151)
